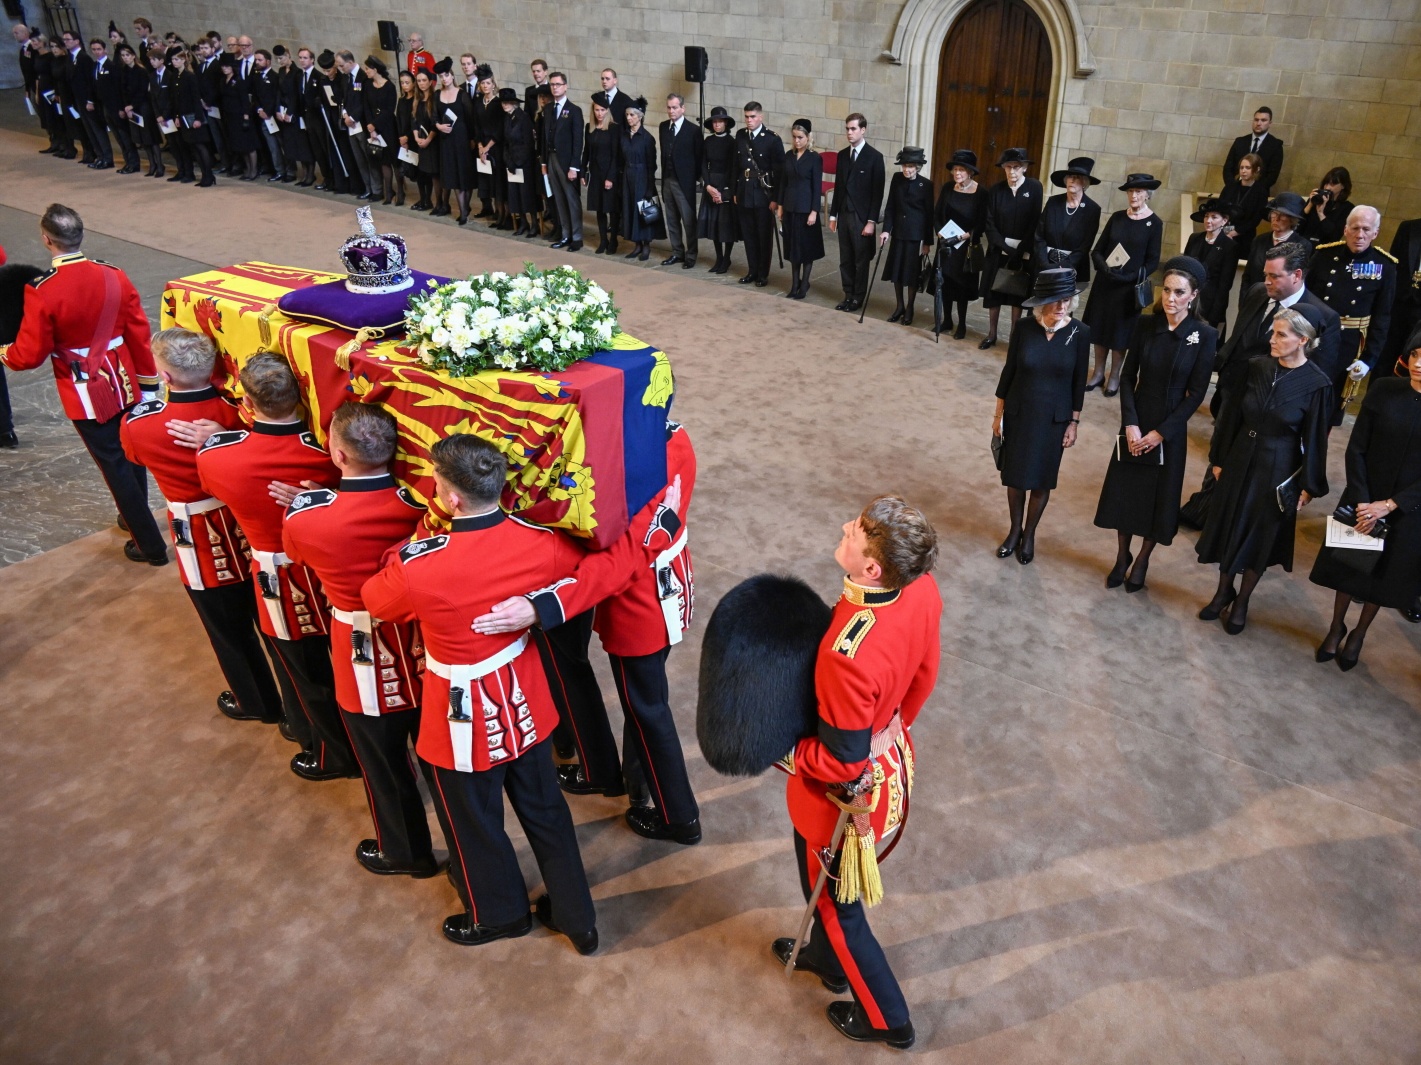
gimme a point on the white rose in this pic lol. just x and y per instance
(545, 344)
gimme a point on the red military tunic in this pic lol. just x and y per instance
(344, 536)
(879, 658)
(236, 467)
(62, 310)
(212, 551)
(445, 582)
(652, 610)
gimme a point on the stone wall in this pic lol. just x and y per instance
(1174, 81)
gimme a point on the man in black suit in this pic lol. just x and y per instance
(1261, 143)
(93, 106)
(323, 112)
(74, 73)
(853, 213)
(108, 102)
(562, 160)
(682, 144)
(539, 69)
(758, 155)
(354, 117)
(265, 87)
(143, 40)
(211, 75)
(617, 101)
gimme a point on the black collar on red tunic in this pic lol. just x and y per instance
(474, 522)
(369, 483)
(191, 395)
(279, 428)
(861, 596)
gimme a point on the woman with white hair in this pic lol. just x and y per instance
(1269, 456)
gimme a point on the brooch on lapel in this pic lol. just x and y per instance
(1193, 338)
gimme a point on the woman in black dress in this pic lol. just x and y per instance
(404, 122)
(1112, 309)
(639, 183)
(799, 186)
(454, 121)
(192, 115)
(425, 137)
(380, 100)
(1013, 210)
(717, 216)
(1219, 254)
(1383, 482)
(1069, 222)
(1247, 198)
(238, 131)
(602, 173)
(1325, 216)
(519, 158)
(1039, 399)
(908, 224)
(1269, 449)
(962, 203)
(488, 135)
(1166, 375)
(133, 87)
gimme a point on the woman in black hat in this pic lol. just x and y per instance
(520, 158)
(454, 120)
(1269, 455)
(1166, 375)
(1285, 212)
(1013, 209)
(1132, 240)
(1383, 484)
(1039, 399)
(235, 104)
(1219, 254)
(488, 138)
(1069, 222)
(1247, 197)
(799, 186)
(961, 202)
(380, 101)
(717, 216)
(639, 183)
(426, 140)
(602, 173)
(907, 222)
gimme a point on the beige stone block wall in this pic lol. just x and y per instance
(1174, 82)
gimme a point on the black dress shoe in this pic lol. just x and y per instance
(648, 823)
(306, 766)
(571, 780)
(574, 245)
(207, 183)
(672, 260)
(849, 1018)
(761, 282)
(320, 188)
(897, 315)
(227, 704)
(1116, 577)
(1008, 546)
(372, 858)
(689, 264)
(461, 929)
(1327, 656)
(1210, 612)
(1346, 662)
(366, 196)
(908, 316)
(987, 342)
(1232, 627)
(9, 439)
(285, 730)
(1026, 549)
(133, 554)
(748, 279)
(1411, 613)
(563, 243)
(585, 942)
(781, 948)
(959, 333)
(842, 305)
(175, 177)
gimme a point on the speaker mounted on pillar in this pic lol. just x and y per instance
(389, 36)
(697, 62)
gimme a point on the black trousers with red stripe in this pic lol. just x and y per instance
(578, 697)
(128, 483)
(646, 701)
(229, 614)
(381, 743)
(481, 856)
(307, 665)
(840, 940)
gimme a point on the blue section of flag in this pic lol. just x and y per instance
(643, 426)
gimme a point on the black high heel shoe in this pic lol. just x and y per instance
(1327, 656)
(1091, 386)
(1008, 546)
(1109, 392)
(1233, 628)
(1210, 612)
(1116, 577)
(1346, 662)
(897, 314)
(1131, 587)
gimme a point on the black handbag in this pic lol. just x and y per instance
(1144, 292)
(1011, 283)
(997, 451)
(1363, 561)
(975, 258)
(649, 211)
(1153, 457)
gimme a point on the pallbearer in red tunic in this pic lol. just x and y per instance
(876, 667)
(212, 553)
(343, 536)
(240, 468)
(488, 715)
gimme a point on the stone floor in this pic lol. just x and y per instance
(1134, 839)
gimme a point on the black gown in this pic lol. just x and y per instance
(456, 157)
(602, 162)
(717, 220)
(1042, 382)
(639, 183)
(1220, 260)
(1111, 310)
(960, 282)
(519, 153)
(1384, 462)
(1064, 239)
(1266, 431)
(1011, 216)
(797, 191)
(1165, 377)
(908, 220)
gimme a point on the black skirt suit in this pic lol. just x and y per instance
(798, 192)
(1042, 384)
(1220, 260)
(908, 220)
(960, 282)
(1111, 311)
(1164, 380)
(602, 162)
(1009, 216)
(520, 153)
(1064, 237)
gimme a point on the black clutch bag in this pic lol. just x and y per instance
(1290, 491)
(1363, 560)
(997, 451)
(1153, 457)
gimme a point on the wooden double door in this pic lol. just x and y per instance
(994, 87)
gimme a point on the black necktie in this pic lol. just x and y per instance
(1256, 142)
(1267, 326)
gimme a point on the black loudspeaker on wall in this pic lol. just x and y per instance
(696, 63)
(389, 35)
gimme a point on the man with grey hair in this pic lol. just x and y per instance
(419, 58)
(1358, 281)
(682, 145)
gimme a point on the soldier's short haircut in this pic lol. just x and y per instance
(269, 383)
(754, 105)
(472, 466)
(63, 225)
(188, 356)
(366, 430)
(900, 538)
(1294, 253)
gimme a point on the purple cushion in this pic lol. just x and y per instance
(333, 304)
